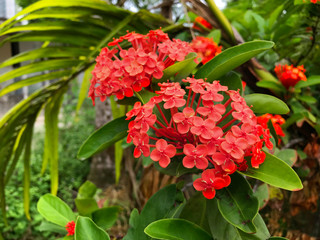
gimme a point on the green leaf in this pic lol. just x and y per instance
(215, 35)
(275, 86)
(38, 67)
(33, 80)
(276, 173)
(83, 93)
(103, 138)
(311, 81)
(175, 168)
(157, 207)
(306, 98)
(237, 204)
(262, 103)
(289, 156)
(86, 229)
(86, 206)
(232, 58)
(222, 230)
(232, 80)
(106, 217)
(195, 211)
(50, 153)
(176, 229)
(51, 227)
(87, 190)
(182, 69)
(262, 193)
(54, 210)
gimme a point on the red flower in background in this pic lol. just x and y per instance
(200, 23)
(289, 76)
(314, 1)
(183, 125)
(206, 48)
(70, 227)
(276, 121)
(120, 72)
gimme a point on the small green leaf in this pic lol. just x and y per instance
(54, 210)
(311, 81)
(237, 203)
(51, 227)
(306, 98)
(289, 156)
(86, 229)
(232, 58)
(262, 193)
(106, 217)
(262, 103)
(275, 86)
(87, 190)
(276, 173)
(176, 229)
(86, 206)
(103, 138)
(215, 35)
(232, 80)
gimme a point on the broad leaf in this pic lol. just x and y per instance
(222, 230)
(103, 138)
(272, 85)
(158, 207)
(86, 229)
(232, 80)
(262, 193)
(86, 206)
(289, 156)
(311, 81)
(54, 210)
(176, 229)
(106, 217)
(87, 190)
(276, 173)
(231, 58)
(262, 103)
(51, 227)
(237, 204)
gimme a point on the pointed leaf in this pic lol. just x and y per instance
(106, 217)
(176, 229)
(84, 87)
(311, 81)
(276, 173)
(87, 190)
(237, 204)
(262, 193)
(103, 138)
(263, 103)
(275, 86)
(86, 229)
(54, 210)
(232, 58)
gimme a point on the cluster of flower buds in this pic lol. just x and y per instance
(206, 48)
(120, 72)
(210, 127)
(289, 76)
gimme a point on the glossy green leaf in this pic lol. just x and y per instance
(222, 230)
(276, 173)
(176, 229)
(54, 210)
(237, 203)
(86, 206)
(289, 156)
(106, 217)
(262, 103)
(38, 67)
(311, 81)
(275, 86)
(262, 193)
(103, 138)
(86, 229)
(87, 190)
(232, 80)
(195, 211)
(183, 68)
(157, 207)
(232, 58)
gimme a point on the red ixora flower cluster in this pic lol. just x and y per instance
(289, 76)
(314, 1)
(209, 132)
(200, 23)
(276, 121)
(206, 48)
(119, 72)
(70, 227)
